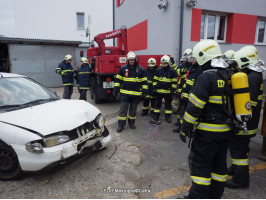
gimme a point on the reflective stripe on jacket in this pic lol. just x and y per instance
(131, 80)
(165, 80)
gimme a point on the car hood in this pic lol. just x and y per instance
(52, 117)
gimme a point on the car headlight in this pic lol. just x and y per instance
(55, 140)
(99, 121)
(34, 147)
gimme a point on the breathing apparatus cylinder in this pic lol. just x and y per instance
(241, 96)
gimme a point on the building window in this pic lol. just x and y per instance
(213, 26)
(80, 21)
(261, 33)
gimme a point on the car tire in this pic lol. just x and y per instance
(9, 166)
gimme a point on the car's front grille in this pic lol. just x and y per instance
(80, 131)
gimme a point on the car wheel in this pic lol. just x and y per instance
(9, 165)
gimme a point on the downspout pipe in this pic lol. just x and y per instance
(113, 20)
(181, 29)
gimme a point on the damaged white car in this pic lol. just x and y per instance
(38, 130)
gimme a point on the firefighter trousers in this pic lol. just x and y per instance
(181, 112)
(239, 149)
(146, 103)
(207, 163)
(157, 106)
(83, 94)
(128, 109)
(68, 90)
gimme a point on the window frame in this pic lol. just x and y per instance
(217, 17)
(80, 13)
(257, 32)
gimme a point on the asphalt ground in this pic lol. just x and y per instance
(154, 161)
(163, 164)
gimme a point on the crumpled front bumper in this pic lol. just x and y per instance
(36, 162)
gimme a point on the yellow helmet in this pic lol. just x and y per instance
(252, 48)
(186, 55)
(206, 50)
(245, 57)
(131, 55)
(165, 60)
(68, 57)
(84, 60)
(228, 54)
(151, 62)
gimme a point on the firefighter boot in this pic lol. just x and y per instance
(144, 112)
(230, 170)
(240, 178)
(132, 126)
(119, 129)
(168, 119)
(177, 129)
(233, 185)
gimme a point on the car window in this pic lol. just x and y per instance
(21, 90)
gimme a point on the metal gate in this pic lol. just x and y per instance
(39, 62)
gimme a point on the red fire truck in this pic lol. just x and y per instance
(108, 60)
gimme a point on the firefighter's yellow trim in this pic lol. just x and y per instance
(119, 77)
(196, 101)
(218, 177)
(130, 92)
(201, 180)
(189, 118)
(250, 132)
(122, 118)
(213, 127)
(241, 162)
(163, 91)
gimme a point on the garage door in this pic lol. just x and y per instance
(39, 62)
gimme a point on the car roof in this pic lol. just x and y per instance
(9, 75)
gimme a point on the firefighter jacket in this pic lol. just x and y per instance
(255, 80)
(83, 77)
(193, 72)
(67, 73)
(164, 80)
(131, 80)
(206, 107)
(149, 73)
(181, 73)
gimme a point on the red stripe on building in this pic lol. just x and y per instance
(241, 28)
(195, 24)
(137, 37)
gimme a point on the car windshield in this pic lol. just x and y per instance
(18, 91)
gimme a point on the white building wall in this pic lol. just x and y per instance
(56, 19)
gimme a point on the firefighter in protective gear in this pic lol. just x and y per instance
(164, 86)
(181, 73)
(149, 73)
(66, 71)
(173, 64)
(246, 60)
(193, 72)
(205, 120)
(131, 82)
(83, 75)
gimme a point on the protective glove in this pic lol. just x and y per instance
(115, 93)
(183, 136)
